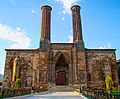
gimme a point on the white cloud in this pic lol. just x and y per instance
(12, 2)
(2, 60)
(108, 46)
(63, 18)
(66, 4)
(1, 70)
(70, 39)
(17, 36)
(33, 11)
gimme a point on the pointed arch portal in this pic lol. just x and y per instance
(61, 71)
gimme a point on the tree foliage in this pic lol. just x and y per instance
(108, 81)
(0, 83)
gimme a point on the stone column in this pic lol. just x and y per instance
(75, 63)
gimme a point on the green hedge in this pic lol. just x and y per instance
(0, 83)
(0, 95)
(116, 92)
(14, 92)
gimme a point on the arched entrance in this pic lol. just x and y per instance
(61, 71)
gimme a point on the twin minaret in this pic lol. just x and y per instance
(45, 26)
(77, 27)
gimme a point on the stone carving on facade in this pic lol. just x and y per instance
(29, 81)
(42, 76)
(81, 77)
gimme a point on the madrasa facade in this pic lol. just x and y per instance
(60, 63)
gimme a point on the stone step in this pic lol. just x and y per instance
(61, 89)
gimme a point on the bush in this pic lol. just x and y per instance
(0, 95)
(115, 92)
(108, 81)
(0, 83)
(17, 84)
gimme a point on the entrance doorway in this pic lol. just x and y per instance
(61, 71)
(61, 78)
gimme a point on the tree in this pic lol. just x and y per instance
(17, 84)
(108, 81)
(0, 83)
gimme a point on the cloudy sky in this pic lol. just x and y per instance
(20, 24)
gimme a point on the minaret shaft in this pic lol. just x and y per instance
(45, 26)
(77, 27)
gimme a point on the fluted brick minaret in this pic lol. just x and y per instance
(77, 27)
(45, 26)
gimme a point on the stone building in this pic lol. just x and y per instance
(118, 66)
(60, 63)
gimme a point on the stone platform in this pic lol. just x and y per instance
(61, 89)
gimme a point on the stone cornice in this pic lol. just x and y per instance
(21, 49)
(100, 49)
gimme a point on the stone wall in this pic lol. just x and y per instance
(43, 66)
(85, 67)
(81, 67)
(100, 63)
(27, 67)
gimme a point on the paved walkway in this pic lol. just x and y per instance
(56, 95)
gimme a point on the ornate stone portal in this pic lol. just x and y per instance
(60, 63)
(61, 71)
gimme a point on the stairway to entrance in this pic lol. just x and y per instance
(62, 89)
